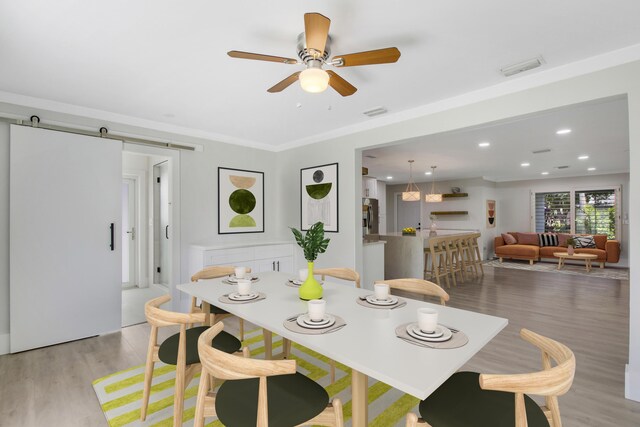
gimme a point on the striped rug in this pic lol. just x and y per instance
(120, 393)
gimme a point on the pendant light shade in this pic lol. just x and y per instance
(412, 193)
(432, 196)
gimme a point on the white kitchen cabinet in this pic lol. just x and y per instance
(369, 187)
(259, 257)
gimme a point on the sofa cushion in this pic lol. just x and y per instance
(584, 241)
(562, 239)
(528, 239)
(509, 239)
(519, 251)
(548, 251)
(601, 254)
(548, 239)
(601, 241)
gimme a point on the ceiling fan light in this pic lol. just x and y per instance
(314, 80)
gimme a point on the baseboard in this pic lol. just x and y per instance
(5, 343)
(631, 384)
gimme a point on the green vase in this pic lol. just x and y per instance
(310, 289)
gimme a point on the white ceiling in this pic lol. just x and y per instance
(165, 61)
(599, 130)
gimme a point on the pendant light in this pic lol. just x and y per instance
(433, 197)
(412, 193)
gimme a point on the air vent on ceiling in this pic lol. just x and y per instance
(520, 67)
(545, 150)
(375, 111)
(562, 167)
(369, 156)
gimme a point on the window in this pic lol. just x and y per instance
(577, 211)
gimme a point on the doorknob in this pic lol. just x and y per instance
(133, 233)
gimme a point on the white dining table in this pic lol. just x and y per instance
(368, 343)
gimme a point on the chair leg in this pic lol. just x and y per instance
(241, 322)
(332, 364)
(203, 389)
(268, 349)
(286, 347)
(148, 374)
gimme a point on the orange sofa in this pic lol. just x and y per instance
(526, 249)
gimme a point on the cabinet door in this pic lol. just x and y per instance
(263, 265)
(284, 264)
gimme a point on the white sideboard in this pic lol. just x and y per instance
(273, 256)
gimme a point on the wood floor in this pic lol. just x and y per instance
(52, 386)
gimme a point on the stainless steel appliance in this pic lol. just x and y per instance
(370, 216)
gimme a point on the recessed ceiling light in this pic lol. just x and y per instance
(591, 169)
(544, 173)
(389, 177)
(583, 157)
(484, 144)
(525, 164)
(563, 131)
(427, 173)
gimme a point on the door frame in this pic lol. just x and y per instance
(179, 300)
(135, 273)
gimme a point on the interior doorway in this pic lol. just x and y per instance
(161, 223)
(407, 213)
(128, 231)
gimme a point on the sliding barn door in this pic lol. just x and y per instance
(65, 254)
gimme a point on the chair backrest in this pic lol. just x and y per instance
(551, 382)
(419, 286)
(340, 273)
(214, 272)
(438, 244)
(159, 317)
(226, 366)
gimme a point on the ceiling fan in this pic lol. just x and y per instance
(314, 48)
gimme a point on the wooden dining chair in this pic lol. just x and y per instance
(180, 349)
(340, 273)
(216, 313)
(418, 286)
(259, 392)
(469, 398)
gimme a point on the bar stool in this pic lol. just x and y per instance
(439, 259)
(455, 260)
(467, 254)
(475, 251)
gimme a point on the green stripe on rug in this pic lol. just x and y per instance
(137, 379)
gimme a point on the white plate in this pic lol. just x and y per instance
(305, 321)
(233, 279)
(371, 299)
(414, 331)
(237, 297)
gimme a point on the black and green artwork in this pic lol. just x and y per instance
(240, 201)
(319, 197)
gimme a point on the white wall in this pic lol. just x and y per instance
(514, 202)
(4, 238)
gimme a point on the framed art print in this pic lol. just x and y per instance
(240, 201)
(491, 213)
(319, 197)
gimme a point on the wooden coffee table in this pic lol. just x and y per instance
(564, 255)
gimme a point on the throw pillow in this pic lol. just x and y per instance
(528, 239)
(509, 239)
(585, 242)
(548, 239)
(562, 239)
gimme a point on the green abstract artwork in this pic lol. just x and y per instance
(240, 201)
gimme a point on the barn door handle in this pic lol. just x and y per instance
(166, 232)
(112, 232)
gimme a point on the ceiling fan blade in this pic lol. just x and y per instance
(340, 85)
(378, 56)
(279, 87)
(260, 57)
(316, 30)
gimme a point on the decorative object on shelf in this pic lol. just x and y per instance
(408, 231)
(319, 197)
(433, 229)
(412, 192)
(491, 213)
(455, 190)
(240, 201)
(449, 212)
(312, 244)
(433, 197)
(571, 244)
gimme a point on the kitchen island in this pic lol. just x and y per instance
(404, 255)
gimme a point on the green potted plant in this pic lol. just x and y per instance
(571, 244)
(312, 244)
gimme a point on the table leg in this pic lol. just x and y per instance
(588, 264)
(559, 263)
(359, 399)
(206, 309)
(268, 352)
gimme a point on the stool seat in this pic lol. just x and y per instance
(293, 399)
(460, 402)
(168, 351)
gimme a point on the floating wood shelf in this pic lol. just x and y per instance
(452, 195)
(449, 213)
